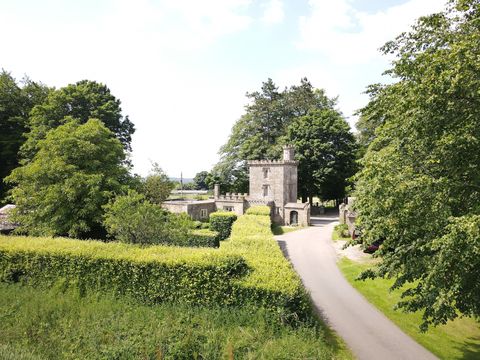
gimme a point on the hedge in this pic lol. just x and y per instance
(222, 221)
(153, 274)
(204, 238)
(259, 210)
(271, 282)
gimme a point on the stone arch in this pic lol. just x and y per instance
(294, 217)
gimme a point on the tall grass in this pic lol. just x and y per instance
(50, 324)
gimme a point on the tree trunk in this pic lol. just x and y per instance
(304, 198)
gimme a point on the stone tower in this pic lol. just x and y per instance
(274, 183)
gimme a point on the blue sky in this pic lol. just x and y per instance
(182, 68)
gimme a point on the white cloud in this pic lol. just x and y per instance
(273, 12)
(346, 35)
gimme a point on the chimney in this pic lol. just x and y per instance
(216, 191)
(288, 153)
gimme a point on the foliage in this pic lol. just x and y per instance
(341, 231)
(75, 172)
(221, 222)
(82, 101)
(419, 187)
(259, 133)
(458, 339)
(259, 210)
(133, 219)
(272, 283)
(153, 274)
(157, 186)
(325, 149)
(16, 101)
(62, 325)
(199, 180)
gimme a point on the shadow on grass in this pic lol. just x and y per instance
(470, 349)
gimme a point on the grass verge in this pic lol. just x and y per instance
(50, 324)
(280, 230)
(459, 339)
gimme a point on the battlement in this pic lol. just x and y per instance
(271, 162)
(232, 197)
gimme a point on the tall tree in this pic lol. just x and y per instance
(200, 180)
(325, 149)
(419, 188)
(82, 101)
(16, 101)
(76, 170)
(260, 132)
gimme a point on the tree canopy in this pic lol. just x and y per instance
(76, 170)
(82, 101)
(16, 101)
(260, 133)
(157, 185)
(325, 150)
(419, 188)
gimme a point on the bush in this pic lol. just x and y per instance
(221, 222)
(153, 274)
(133, 219)
(204, 238)
(259, 210)
(342, 230)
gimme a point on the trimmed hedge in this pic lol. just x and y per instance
(222, 221)
(259, 210)
(248, 269)
(152, 275)
(204, 238)
(272, 283)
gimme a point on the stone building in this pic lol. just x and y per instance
(272, 183)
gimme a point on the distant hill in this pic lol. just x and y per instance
(185, 180)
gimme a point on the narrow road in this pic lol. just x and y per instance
(368, 333)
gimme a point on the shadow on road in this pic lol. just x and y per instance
(323, 220)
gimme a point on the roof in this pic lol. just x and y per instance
(4, 210)
(296, 205)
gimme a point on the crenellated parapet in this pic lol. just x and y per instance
(232, 197)
(271, 162)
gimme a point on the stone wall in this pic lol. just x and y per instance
(192, 208)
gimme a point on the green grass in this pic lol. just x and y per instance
(338, 233)
(280, 230)
(50, 324)
(459, 339)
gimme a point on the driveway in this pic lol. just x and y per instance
(368, 333)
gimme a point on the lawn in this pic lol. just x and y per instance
(280, 230)
(459, 339)
(53, 324)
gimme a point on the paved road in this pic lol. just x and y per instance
(368, 333)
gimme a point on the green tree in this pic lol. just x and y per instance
(16, 101)
(157, 186)
(419, 186)
(82, 101)
(260, 133)
(76, 170)
(200, 180)
(326, 150)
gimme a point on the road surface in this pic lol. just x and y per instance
(367, 332)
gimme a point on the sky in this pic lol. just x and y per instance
(181, 68)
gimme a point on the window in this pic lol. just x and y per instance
(203, 213)
(277, 210)
(228, 208)
(265, 173)
(265, 190)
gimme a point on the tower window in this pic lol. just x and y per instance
(265, 173)
(265, 190)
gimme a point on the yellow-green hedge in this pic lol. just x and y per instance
(153, 274)
(221, 222)
(271, 282)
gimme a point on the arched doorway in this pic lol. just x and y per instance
(293, 218)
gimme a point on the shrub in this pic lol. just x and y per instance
(133, 219)
(153, 274)
(204, 238)
(342, 230)
(222, 221)
(259, 210)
